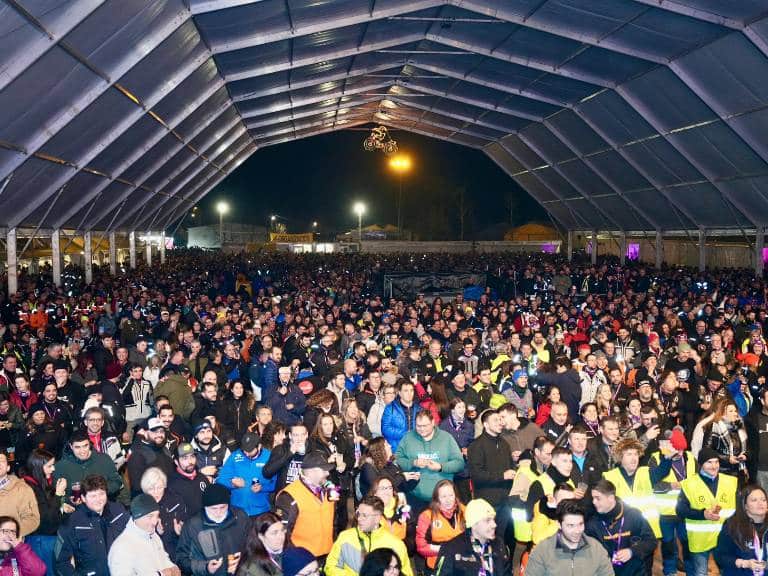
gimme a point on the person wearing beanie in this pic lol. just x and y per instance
(515, 390)
(705, 502)
(477, 550)
(139, 551)
(211, 541)
(300, 561)
(667, 491)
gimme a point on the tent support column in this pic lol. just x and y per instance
(112, 254)
(88, 249)
(132, 249)
(13, 264)
(56, 256)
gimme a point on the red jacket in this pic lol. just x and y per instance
(27, 562)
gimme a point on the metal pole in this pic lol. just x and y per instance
(759, 244)
(162, 247)
(702, 250)
(399, 209)
(623, 248)
(221, 229)
(56, 256)
(13, 263)
(360, 227)
(149, 249)
(112, 254)
(570, 245)
(659, 249)
(132, 249)
(88, 249)
(594, 247)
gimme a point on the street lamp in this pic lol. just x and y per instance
(222, 208)
(400, 164)
(359, 209)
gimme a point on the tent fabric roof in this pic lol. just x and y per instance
(613, 114)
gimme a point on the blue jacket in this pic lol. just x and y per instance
(270, 378)
(394, 423)
(279, 405)
(238, 465)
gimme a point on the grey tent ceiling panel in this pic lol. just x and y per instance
(617, 114)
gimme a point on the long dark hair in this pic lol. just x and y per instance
(254, 551)
(34, 469)
(740, 526)
(377, 561)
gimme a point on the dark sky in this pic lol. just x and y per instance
(320, 178)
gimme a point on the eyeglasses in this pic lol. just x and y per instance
(385, 489)
(8, 532)
(366, 515)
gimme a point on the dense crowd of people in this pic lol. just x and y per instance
(274, 414)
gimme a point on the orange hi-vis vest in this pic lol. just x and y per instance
(314, 522)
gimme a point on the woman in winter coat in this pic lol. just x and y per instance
(40, 432)
(239, 410)
(463, 431)
(263, 553)
(741, 545)
(38, 475)
(354, 430)
(727, 436)
(378, 461)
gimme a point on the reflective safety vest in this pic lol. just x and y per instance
(549, 485)
(314, 524)
(542, 526)
(520, 519)
(640, 496)
(702, 534)
(666, 502)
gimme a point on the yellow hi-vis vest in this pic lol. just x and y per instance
(549, 485)
(666, 502)
(702, 534)
(521, 522)
(640, 496)
(542, 526)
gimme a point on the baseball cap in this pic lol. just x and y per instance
(684, 347)
(184, 449)
(249, 441)
(154, 423)
(316, 460)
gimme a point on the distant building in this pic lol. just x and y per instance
(234, 235)
(532, 232)
(374, 232)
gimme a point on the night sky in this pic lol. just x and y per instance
(319, 179)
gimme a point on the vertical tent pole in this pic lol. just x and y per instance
(132, 249)
(56, 256)
(13, 264)
(112, 254)
(88, 248)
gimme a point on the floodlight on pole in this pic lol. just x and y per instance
(222, 208)
(400, 164)
(359, 209)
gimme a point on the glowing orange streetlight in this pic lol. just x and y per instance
(401, 164)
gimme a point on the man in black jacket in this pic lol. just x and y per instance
(490, 461)
(83, 543)
(185, 481)
(286, 459)
(623, 532)
(219, 522)
(476, 550)
(148, 450)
